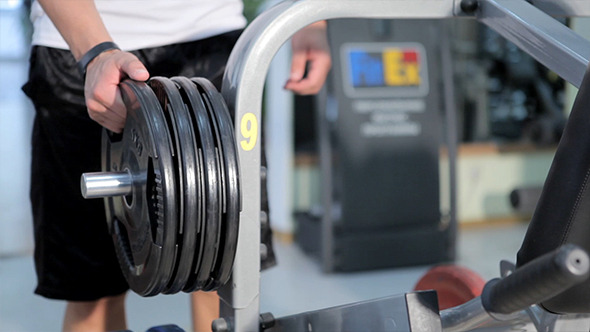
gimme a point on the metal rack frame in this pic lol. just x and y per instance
(529, 25)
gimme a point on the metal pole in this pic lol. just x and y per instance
(540, 35)
(242, 89)
(106, 184)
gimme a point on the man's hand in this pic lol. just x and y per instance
(311, 49)
(82, 28)
(101, 89)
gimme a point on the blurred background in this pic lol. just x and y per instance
(329, 158)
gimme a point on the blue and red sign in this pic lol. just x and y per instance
(387, 66)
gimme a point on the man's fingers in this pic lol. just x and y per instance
(319, 69)
(103, 96)
(109, 120)
(99, 111)
(316, 76)
(298, 62)
(303, 87)
(111, 116)
(309, 46)
(135, 69)
(118, 106)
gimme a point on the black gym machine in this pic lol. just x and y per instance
(182, 182)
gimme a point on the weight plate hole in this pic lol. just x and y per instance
(129, 200)
(153, 196)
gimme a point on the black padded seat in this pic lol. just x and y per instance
(562, 214)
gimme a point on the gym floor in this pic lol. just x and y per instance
(296, 285)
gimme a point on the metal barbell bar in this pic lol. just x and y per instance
(106, 184)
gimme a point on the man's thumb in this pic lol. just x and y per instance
(136, 70)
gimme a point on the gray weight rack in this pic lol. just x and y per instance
(526, 24)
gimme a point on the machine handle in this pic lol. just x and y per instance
(537, 281)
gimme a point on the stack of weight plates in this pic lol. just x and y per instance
(178, 228)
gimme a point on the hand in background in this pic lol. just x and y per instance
(101, 89)
(310, 48)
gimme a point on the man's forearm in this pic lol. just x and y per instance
(79, 23)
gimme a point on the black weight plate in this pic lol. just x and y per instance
(180, 122)
(200, 175)
(210, 227)
(232, 196)
(145, 221)
(221, 187)
(164, 102)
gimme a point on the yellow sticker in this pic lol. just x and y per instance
(249, 130)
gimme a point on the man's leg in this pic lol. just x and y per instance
(74, 256)
(105, 314)
(205, 309)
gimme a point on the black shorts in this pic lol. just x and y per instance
(74, 255)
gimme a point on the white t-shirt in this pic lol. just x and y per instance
(137, 24)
